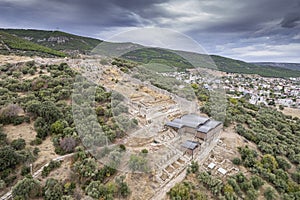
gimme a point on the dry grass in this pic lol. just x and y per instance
(13, 59)
(27, 132)
(291, 111)
(24, 130)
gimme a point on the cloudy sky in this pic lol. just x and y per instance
(255, 30)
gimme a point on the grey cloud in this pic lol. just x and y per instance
(291, 20)
(212, 23)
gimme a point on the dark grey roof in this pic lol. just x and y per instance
(195, 118)
(204, 129)
(174, 124)
(211, 124)
(200, 123)
(190, 145)
(188, 123)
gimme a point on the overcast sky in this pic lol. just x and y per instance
(254, 30)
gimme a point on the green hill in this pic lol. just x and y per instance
(161, 56)
(56, 39)
(12, 44)
(184, 60)
(35, 42)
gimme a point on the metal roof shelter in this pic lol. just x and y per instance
(190, 145)
(202, 124)
(204, 129)
(195, 118)
(188, 123)
(213, 123)
(174, 124)
(190, 120)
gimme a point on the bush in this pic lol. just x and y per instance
(9, 158)
(256, 181)
(53, 190)
(18, 144)
(180, 191)
(25, 170)
(36, 141)
(122, 187)
(236, 161)
(122, 147)
(282, 163)
(144, 151)
(97, 190)
(52, 165)
(270, 194)
(194, 167)
(28, 188)
(138, 163)
(69, 187)
(68, 144)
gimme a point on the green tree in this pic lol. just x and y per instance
(270, 194)
(269, 162)
(27, 188)
(86, 168)
(97, 190)
(18, 144)
(122, 187)
(58, 127)
(53, 189)
(256, 181)
(9, 158)
(282, 163)
(180, 191)
(194, 167)
(138, 163)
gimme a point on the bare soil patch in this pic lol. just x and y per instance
(291, 111)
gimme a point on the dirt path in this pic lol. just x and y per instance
(8, 195)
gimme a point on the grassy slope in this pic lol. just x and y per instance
(12, 44)
(184, 60)
(179, 59)
(72, 42)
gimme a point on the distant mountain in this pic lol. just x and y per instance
(12, 44)
(292, 66)
(51, 43)
(184, 60)
(56, 39)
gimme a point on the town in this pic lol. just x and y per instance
(284, 92)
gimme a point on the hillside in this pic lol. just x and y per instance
(292, 66)
(39, 42)
(184, 60)
(56, 39)
(12, 44)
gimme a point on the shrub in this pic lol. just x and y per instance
(53, 190)
(36, 151)
(144, 151)
(9, 158)
(52, 165)
(25, 170)
(236, 161)
(18, 144)
(122, 147)
(68, 144)
(194, 167)
(36, 141)
(28, 188)
(138, 163)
